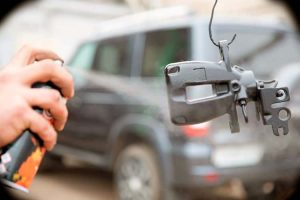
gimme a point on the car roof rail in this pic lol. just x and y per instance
(151, 16)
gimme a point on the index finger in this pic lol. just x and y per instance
(28, 54)
(46, 70)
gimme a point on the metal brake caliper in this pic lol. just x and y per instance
(230, 86)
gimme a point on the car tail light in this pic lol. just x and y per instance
(211, 177)
(196, 130)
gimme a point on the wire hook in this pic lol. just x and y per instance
(210, 24)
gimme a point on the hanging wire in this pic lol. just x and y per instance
(210, 24)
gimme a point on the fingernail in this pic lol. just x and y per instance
(61, 128)
(58, 126)
(62, 61)
(49, 148)
(59, 62)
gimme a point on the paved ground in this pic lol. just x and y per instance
(73, 183)
(79, 183)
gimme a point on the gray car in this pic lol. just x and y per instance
(119, 118)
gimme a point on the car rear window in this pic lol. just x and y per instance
(164, 47)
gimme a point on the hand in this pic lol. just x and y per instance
(17, 97)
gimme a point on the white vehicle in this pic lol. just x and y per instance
(55, 24)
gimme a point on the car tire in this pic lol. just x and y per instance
(137, 174)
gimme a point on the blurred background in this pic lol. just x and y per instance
(119, 142)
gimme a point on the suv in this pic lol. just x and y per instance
(119, 118)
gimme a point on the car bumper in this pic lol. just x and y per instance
(192, 168)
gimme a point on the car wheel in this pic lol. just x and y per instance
(137, 174)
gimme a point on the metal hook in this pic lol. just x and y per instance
(210, 24)
(243, 104)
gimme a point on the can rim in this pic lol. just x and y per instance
(14, 185)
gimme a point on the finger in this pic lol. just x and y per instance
(8, 134)
(40, 126)
(28, 54)
(46, 70)
(49, 100)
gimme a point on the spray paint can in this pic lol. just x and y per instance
(21, 159)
